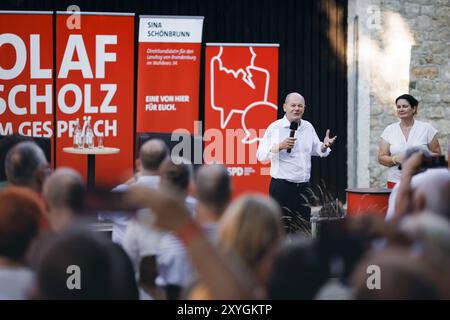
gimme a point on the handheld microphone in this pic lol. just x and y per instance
(293, 127)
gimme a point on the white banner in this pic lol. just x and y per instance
(170, 29)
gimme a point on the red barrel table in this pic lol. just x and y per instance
(367, 200)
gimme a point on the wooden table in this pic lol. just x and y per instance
(91, 153)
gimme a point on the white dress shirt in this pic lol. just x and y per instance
(119, 219)
(174, 263)
(144, 240)
(421, 135)
(294, 166)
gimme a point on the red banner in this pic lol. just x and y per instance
(95, 62)
(240, 103)
(168, 73)
(26, 66)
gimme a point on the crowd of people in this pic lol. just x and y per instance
(178, 234)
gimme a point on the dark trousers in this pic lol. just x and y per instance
(293, 196)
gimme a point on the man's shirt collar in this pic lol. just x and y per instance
(286, 124)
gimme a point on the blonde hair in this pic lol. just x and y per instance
(250, 227)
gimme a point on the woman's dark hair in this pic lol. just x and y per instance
(412, 101)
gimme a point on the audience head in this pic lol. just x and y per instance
(152, 153)
(251, 229)
(20, 211)
(26, 166)
(410, 151)
(343, 243)
(6, 143)
(297, 272)
(176, 175)
(64, 192)
(394, 274)
(64, 188)
(213, 186)
(71, 253)
(433, 193)
(430, 229)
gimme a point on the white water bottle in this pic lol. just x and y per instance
(77, 135)
(89, 136)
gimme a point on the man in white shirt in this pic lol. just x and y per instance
(291, 171)
(143, 240)
(213, 191)
(152, 153)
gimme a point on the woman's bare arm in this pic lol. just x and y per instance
(435, 147)
(384, 155)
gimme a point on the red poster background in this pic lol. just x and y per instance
(109, 169)
(173, 80)
(24, 25)
(245, 84)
